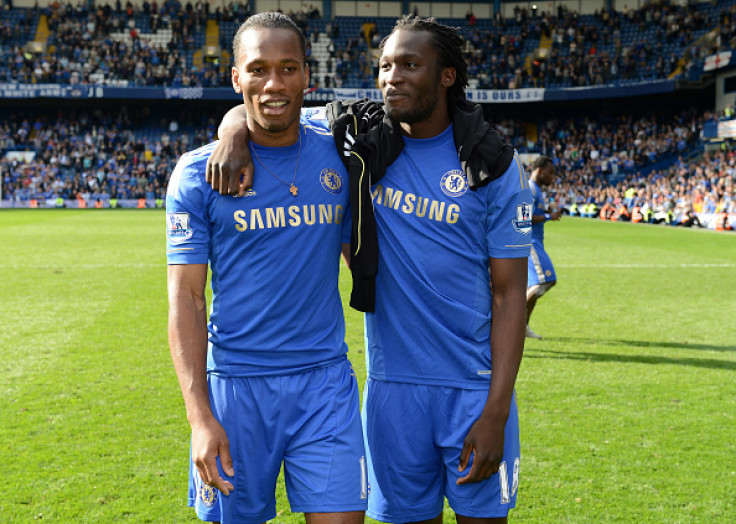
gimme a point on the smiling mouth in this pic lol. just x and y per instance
(274, 107)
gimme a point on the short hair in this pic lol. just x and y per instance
(448, 42)
(540, 162)
(267, 20)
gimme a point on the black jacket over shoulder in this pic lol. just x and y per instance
(369, 141)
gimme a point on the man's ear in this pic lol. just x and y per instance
(448, 76)
(236, 79)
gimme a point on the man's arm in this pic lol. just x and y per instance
(554, 215)
(346, 255)
(188, 345)
(486, 437)
(230, 167)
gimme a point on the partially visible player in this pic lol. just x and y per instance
(542, 275)
(267, 380)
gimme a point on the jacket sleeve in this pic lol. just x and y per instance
(483, 153)
(349, 119)
(368, 142)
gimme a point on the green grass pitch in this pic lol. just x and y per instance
(627, 406)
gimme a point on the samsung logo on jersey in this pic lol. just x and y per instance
(411, 204)
(292, 216)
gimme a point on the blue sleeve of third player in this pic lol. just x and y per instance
(509, 219)
(315, 117)
(187, 229)
(538, 200)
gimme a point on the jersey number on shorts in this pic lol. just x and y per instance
(503, 479)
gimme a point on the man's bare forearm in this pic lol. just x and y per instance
(188, 338)
(234, 122)
(508, 319)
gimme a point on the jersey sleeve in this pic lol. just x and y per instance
(509, 219)
(187, 225)
(538, 200)
(315, 117)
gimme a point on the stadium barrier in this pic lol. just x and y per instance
(709, 220)
(53, 203)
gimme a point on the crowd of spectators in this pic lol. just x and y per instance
(725, 37)
(84, 50)
(585, 50)
(16, 29)
(495, 58)
(671, 196)
(130, 153)
(592, 150)
(94, 156)
(599, 164)
(587, 152)
(99, 157)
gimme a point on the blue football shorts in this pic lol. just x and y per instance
(414, 435)
(540, 269)
(308, 420)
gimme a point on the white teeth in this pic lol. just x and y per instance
(275, 104)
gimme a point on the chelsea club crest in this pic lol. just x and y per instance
(523, 221)
(454, 183)
(208, 495)
(331, 181)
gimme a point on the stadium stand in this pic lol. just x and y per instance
(687, 194)
(118, 151)
(187, 45)
(114, 157)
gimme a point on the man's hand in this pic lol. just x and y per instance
(554, 215)
(485, 442)
(208, 441)
(230, 167)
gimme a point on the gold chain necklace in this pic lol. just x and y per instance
(292, 188)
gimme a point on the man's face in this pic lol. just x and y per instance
(410, 76)
(546, 175)
(272, 77)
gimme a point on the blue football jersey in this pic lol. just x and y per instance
(274, 257)
(539, 209)
(432, 319)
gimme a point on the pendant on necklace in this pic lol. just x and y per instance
(293, 190)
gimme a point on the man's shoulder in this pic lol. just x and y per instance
(314, 129)
(190, 169)
(198, 157)
(514, 179)
(317, 128)
(319, 137)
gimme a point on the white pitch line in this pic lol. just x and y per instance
(640, 266)
(81, 266)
